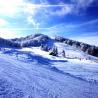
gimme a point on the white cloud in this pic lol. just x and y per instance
(7, 34)
(3, 22)
(30, 8)
(11, 2)
(10, 7)
(64, 10)
(31, 21)
(14, 7)
(47, 8)
(82, 3)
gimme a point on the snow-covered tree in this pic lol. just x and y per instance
(54, 51)
(63, 53)
(44, 47)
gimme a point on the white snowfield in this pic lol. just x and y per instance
(33, 73)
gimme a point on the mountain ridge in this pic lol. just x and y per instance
(37, 40)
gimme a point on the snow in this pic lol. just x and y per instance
(79, 64)
(33, 73)
(76, 63)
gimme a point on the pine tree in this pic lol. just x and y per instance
(54, 51)
(63, 53)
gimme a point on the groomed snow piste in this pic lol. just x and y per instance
(33, 73)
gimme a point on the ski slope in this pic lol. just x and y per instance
(76, 62)
(33, 73)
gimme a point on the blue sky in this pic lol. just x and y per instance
(69, 18)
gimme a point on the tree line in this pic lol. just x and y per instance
(89, 49)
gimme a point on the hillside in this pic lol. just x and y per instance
(89, 49)
(37, 66)
(33, 73)
(40, 39)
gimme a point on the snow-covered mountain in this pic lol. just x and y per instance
(32, 40)
(40, 39)
(37, 66)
